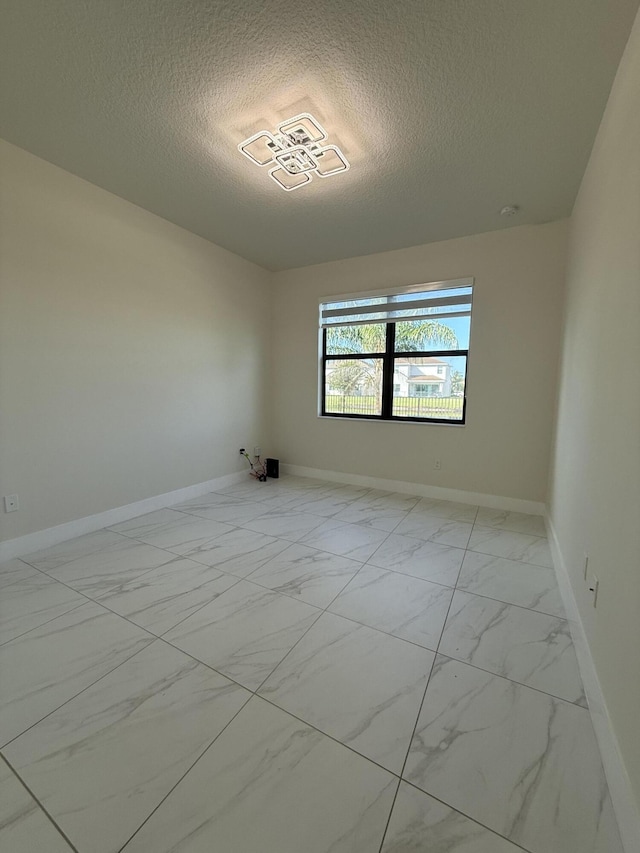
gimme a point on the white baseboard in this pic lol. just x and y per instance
(624, 802)
(421, 489)
(32, 542)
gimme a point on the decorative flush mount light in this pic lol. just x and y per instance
(296, 151)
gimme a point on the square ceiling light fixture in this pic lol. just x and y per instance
(296, 151)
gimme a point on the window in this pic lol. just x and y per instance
(420, 390)
(397, 355)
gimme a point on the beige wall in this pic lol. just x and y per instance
(595, 478)
(132, 353)
(504, 447)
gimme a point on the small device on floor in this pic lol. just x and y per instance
(273, 468)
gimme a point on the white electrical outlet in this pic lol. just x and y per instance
(594, 587)
(437, 465)
(256, 450)
(11, 503)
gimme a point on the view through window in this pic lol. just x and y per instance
(400, 355)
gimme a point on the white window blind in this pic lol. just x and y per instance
(445, 299)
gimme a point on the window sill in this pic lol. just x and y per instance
(388, 421)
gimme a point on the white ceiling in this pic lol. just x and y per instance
(447, 110)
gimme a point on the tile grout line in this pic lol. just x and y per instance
(468, 817)
(152, 639)
(89, 600)
(100, 603)
(323, 610)
(415, 727)
(510, 604)
(393, 805)
(413, 733)
(489, 672)
(254, 693)
(401, 779)
(42, 624)
(38, 803)
(187, 771)
(19, 580)
(75, 696)
(48, 571)
(137, 577)
(330, 737)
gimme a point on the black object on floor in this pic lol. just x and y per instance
(273, 468)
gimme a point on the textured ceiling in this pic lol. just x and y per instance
(447, 110)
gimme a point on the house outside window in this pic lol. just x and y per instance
(397, 355)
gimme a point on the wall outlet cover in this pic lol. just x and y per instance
(11, 503)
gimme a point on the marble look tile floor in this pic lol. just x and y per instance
(297, 666)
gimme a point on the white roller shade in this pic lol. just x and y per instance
(452, 300)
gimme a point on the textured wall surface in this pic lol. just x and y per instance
(131, 352)
(447, 110)
(515, 335)
(595, 483)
